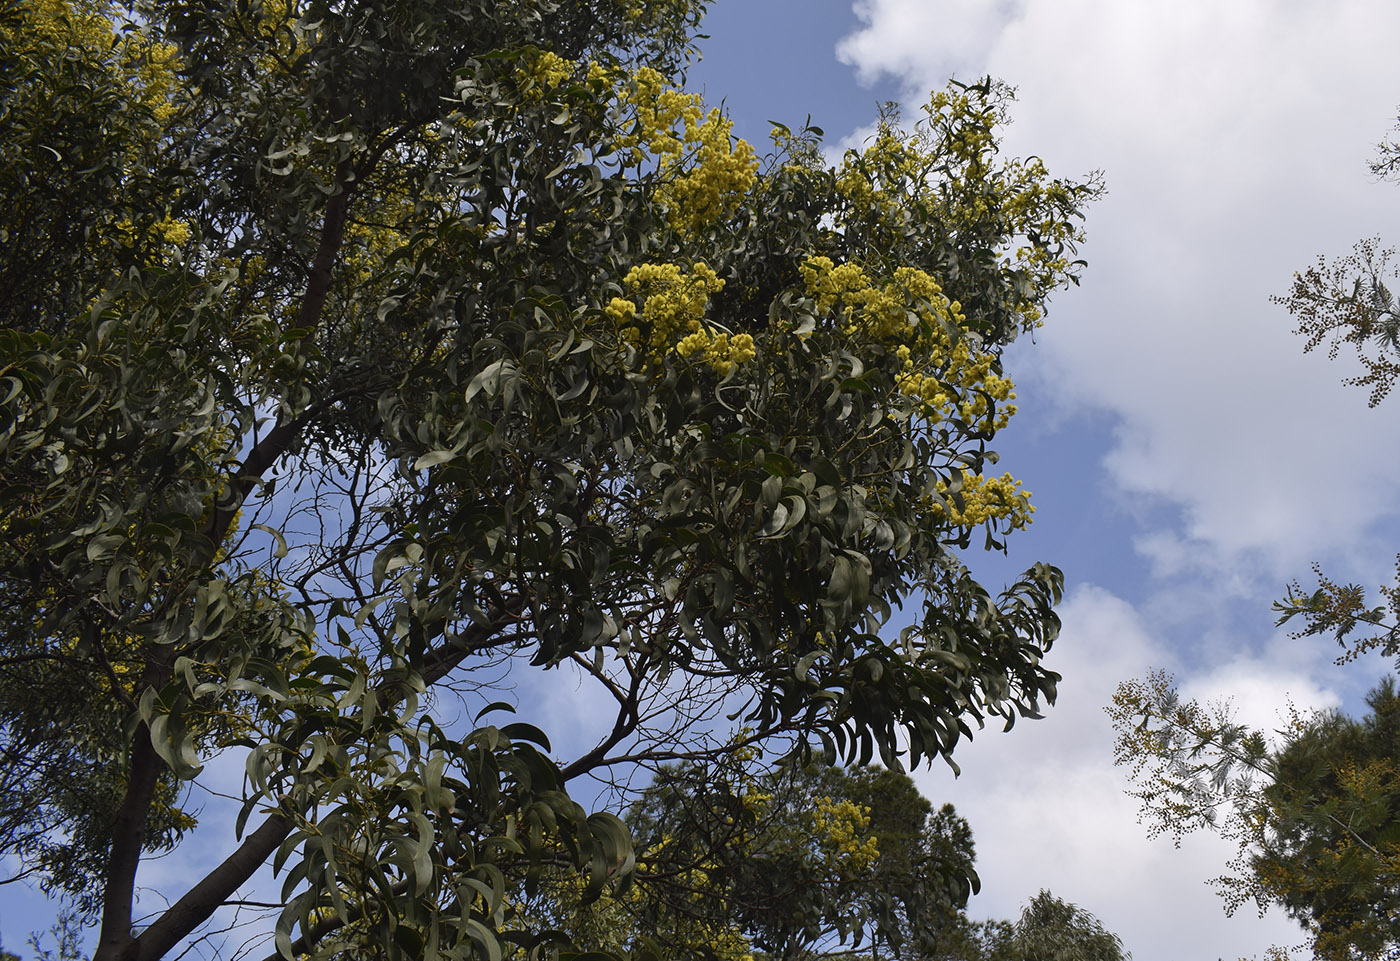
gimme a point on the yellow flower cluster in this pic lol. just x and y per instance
(723, 171)
(720, 350)
(599, 74)
(842, 828)
(544, 71)
(989, 498)
(970, 379)
(704, 169)
(148, 67)
(659, 112)
(145, 68)
(622, 311)
(948, 170)
(746, 752)
(888, 313)
(167, 230)
(672, 300)
(911, 313)
(755, 801)
(974, 123)
(831, 284)
(611, 923)
(864, 177)
(673, 308)
(649, 9)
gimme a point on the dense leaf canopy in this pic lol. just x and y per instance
(359, 357)
(801, 861)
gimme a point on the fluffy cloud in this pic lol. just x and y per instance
(1234, 139)
(1048, 811)
(914, 40)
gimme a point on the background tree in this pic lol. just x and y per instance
(83, 110)
(1315, 817)
(1341, 873)
(1315, 811)
(1047, 928)
(427, 344)
(799, 860)
(811, 863)
(1050, 929)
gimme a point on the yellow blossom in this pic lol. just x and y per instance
(543, 71)
(989, 498)
(703, 169)
(843, 831)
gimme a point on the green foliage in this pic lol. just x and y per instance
(1348, 301)
(359, 359)
(1048, 929)
(1315, 818)
(65, 936)
(733, 865)
(796, 860)
(1333, 860)
(80, 108)
(1342, 611)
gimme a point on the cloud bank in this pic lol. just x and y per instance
(1048, 811)
(1234, 139)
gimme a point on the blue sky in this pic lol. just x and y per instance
(1186, 458)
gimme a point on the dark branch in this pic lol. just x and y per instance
(440, 662)
(128, 838)
(202, 900)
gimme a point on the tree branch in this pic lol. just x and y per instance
(438, 663)
(124, 856)
(202, 900)
(318, 282)
(626, 723)
(259, 461)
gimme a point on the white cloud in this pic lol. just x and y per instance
(1259, 692)
(573, 709)
(855, 140)
(908, 39)
(1048, 810)
(1234, 138)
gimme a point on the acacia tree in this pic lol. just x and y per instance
(419, 345)
(797, 862)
